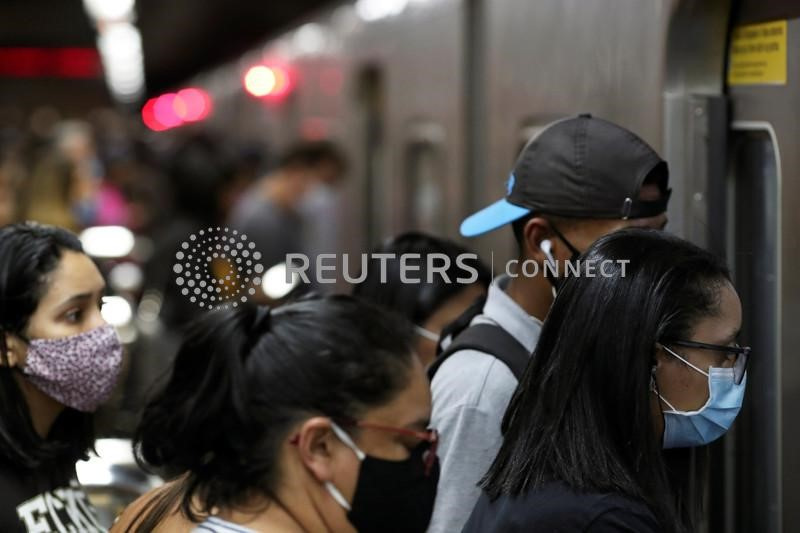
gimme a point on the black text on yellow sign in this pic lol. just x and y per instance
(758, 54)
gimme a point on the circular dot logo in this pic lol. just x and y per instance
(217, 268)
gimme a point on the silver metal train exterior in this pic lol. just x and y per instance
(433, 101)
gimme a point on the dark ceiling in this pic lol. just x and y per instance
(180, 37)
(183, 37)
(44, 23)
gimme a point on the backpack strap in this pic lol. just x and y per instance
(454, 328)
(491, 339)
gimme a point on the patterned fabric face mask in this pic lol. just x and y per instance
(79, 371)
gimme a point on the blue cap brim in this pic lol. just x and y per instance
(492, 217)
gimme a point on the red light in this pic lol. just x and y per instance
(149, 116)
(171, 110)
(192, 105)
(164, 110)
(179, 107)
(263, 81)
(49, 62)
(77, 63)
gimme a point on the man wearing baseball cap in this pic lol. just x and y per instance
(579, 179)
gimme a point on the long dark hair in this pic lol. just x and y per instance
(418, 301)
(582, 412)
(29, 252)
(243, 377)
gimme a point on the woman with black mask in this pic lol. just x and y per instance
(635, 357)
(59, 361)
(309, 417)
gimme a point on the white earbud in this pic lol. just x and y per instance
(547, 248)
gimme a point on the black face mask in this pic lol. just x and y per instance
(392, 496)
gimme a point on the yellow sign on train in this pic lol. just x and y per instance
(758, 54)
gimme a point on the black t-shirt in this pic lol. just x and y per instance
(44, 500)
(555, 508)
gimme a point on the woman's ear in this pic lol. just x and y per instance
(660, 356)
(315, 441)
(15, 352)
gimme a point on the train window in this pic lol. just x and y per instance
(425, 208)
(370, 98)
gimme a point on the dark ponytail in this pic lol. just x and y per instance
(243, 377)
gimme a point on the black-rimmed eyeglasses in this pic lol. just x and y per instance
(742, 354)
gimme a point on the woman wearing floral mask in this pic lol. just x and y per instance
(312, 417)
(59, 361)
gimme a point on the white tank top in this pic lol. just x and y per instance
(214, 524)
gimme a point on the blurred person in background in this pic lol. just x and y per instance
(141, 175)
(249, 161)
(12, 169)
(321, 209)
(53, 193)
(429, 305)
(127, 178)
(67, 186)
(73, 142)
(59, 361)
(96, 200)
(270, 212)
(7, 198)
(9, 178)
(312, 417)
(198, 170)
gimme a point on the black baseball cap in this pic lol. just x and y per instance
(582, 167)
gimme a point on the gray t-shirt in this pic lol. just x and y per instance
(277, 231)
(471, 391)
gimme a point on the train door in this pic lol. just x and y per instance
(414, 158)
(762, 470)
(752, 494)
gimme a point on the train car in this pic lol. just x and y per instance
(434, 98)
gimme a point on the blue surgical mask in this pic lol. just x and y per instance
(685, 429)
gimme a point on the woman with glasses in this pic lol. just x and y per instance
(309, 417)
(631, 360)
